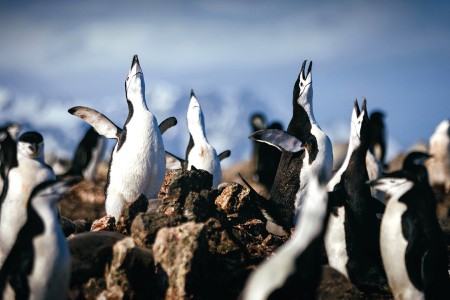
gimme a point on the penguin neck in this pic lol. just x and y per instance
(21, 158)
(198, 133)
(138, 104)
(302, 121)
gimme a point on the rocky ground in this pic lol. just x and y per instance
(196, 243)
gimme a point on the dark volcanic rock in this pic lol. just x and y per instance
(132, 273)
(146, 225)
(130, 211)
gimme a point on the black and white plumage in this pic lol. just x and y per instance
(30, 171)
(352, 237)
(296, 167)
(199, 152)
(294, 270)
(38, 266)
(413, 246)
(138, 161)
(88, 155)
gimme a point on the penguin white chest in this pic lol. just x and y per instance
(393, 247)
(335, 244)
(138, 165)
(51, 270)
(204, 157)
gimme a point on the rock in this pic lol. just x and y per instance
(334, 285)
(73, 227)
(236, 202)
(181, 252)
(146, 225)
(85, 200)
(105, 223)
(130, 211)
(90, 252)
(132, 273)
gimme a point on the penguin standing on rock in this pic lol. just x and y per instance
(138, 161)
(38, 266)
(297, 166)
(412, 243)
(31, 170)
(200, 154)
(352, 237)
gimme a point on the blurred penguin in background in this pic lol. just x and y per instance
(378, 131)
(265, 157)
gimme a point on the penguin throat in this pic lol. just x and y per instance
(198, 133)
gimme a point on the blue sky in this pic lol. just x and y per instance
(394, 53)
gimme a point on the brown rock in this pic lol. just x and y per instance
(105, 223)
(132, 274)
(334, 285)
(85, 200)
(182, 254)
(146, 225)
(129, 212)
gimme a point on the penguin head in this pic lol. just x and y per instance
(258, 122)
(31, 145)
(359, 129)
(195, 117)
(414, 164)
(134, 84)
(394, 184)
(303, 91)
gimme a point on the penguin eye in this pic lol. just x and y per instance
(301, 83)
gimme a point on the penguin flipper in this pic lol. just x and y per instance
(173, 162)
(102, 124)
(279, 139)
(167, 123)
(224, 155)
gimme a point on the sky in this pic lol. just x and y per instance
(58, 54)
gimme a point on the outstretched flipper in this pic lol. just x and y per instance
(224, 155)
(280, 139)
(167, 123)
(102, 124)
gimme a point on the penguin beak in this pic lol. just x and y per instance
(135, 66)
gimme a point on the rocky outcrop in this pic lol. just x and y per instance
(193, 242)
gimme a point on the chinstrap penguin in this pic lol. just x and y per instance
(88, 155)
(294, 270)
(413, 246)
(200, 153)
(30, 171)
(138, 161)
(38, 266)
(352, 236)
(296, 167)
